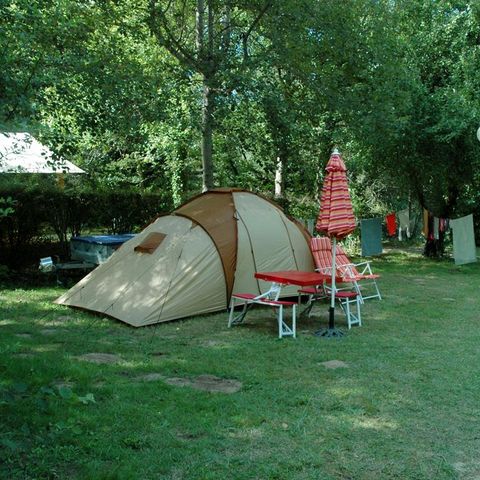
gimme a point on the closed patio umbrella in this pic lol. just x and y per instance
(336, 220)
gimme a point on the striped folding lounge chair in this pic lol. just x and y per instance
(359, 274)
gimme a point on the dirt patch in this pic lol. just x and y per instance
(151, 377)
(213, 343)
(468, 470)
(100, 358)
(333, 364)
(64, 318)
(49, 331)
(49, 347)
(24, 355)
(62, 384)
(23, 335)
(188, 437)
(207, 383)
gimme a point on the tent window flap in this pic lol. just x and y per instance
(151, 242)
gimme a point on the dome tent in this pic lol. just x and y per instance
(190, 261)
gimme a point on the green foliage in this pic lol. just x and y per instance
(393, 84)
(43, 209)
(7, 206)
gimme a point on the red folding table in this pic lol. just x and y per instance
(313, 279)
(271, 296)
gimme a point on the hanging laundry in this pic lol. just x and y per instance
(436, 228)
(425, 223)
(464, 250)
(371, 236)
(391, 221)
(403, 219)
(403, 223)
(430, 227)
(444, 225)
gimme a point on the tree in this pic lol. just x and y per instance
(206, 37)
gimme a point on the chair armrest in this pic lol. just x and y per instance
(366, 267)
(347, 270)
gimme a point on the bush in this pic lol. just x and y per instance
(44, 211)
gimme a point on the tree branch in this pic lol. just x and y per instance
(225, 33)
(255, 22)
(158, 24)
(199, 17)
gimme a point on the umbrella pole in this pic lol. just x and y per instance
(331, 331)
(331, 320)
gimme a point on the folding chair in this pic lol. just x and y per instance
(360, 274)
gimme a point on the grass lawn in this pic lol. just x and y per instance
(405, 407)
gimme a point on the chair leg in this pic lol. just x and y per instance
(280, 321)
(359, 314)
(358, 289)
(294, 321)
(240, 317)
(377, 293)
(283, 329)
(347, 312)
(355, 319)
(230, 316)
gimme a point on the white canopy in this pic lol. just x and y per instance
(22, 153)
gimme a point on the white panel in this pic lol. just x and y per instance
(271, 238)
(197, 284)
(301, 247)
(126, 273)
(245, 281)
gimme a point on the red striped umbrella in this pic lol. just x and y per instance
(336, 219)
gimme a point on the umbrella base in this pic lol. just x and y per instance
(329, 333)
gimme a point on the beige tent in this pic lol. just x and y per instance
(189, 262)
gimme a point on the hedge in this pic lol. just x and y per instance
(52, 216)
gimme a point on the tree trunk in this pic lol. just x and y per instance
(208, 108)
(434, 247)
(279, 179)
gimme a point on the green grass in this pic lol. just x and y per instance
(406, 408)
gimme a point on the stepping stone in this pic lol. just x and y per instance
(211, 343)
(151, 377)
(333, 364)
(23, 335)
(100, 358)
(49, 331)
(63, 384)
(207, 383)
